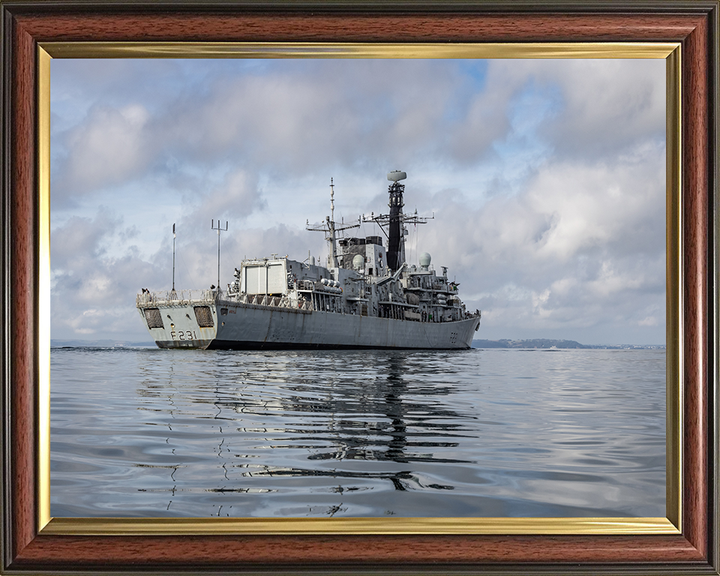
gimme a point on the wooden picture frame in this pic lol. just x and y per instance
(28, 546)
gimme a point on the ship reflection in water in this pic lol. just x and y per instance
(144, 432)
(330, 413)
(366, 420)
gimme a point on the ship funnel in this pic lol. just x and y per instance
(396, 176)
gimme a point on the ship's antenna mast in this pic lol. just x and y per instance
(395, 221)
(173, 288)
(332, 201)
(331, 229)
(331, 225)
(219, 229)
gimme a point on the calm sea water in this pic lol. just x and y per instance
(149, 432)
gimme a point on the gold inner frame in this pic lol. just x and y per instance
(671, 524)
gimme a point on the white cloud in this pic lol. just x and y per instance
(236, 196)
(606, 105)
(595, 205)
(93, 290)
(105, 150)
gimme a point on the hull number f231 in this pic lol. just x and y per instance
(183, 335)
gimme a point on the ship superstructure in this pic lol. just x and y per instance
(365, 296)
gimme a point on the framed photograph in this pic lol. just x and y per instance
(685, 38)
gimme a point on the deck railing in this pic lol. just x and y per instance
(176, 297)
(273, 301)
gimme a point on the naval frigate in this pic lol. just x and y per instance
(367, 296)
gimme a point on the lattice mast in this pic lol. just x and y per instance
(396, 220)
(331, 228)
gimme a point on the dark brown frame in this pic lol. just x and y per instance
(692, 23)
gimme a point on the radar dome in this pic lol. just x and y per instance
(425, 260)
(358, 262)
(396, 176)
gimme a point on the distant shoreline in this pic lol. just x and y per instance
(547, 343)
(100, 344)
(535, 343)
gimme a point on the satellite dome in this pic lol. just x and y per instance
(358, 261)
(425, 260)
(396, 176)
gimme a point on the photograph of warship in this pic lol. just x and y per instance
(366, 297)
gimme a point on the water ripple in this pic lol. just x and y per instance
(147, 432)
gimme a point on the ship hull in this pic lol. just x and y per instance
(240, 326)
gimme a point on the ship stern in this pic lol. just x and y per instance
(185, 319)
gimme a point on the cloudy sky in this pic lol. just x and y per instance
(546, 179)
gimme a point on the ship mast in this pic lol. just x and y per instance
(219, 229)
(396, 220)
(173, 288)
(330, 227)
(332, 254)
(396, 236)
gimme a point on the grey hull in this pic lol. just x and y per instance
(247, 326)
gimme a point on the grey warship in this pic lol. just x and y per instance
(367, 296)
